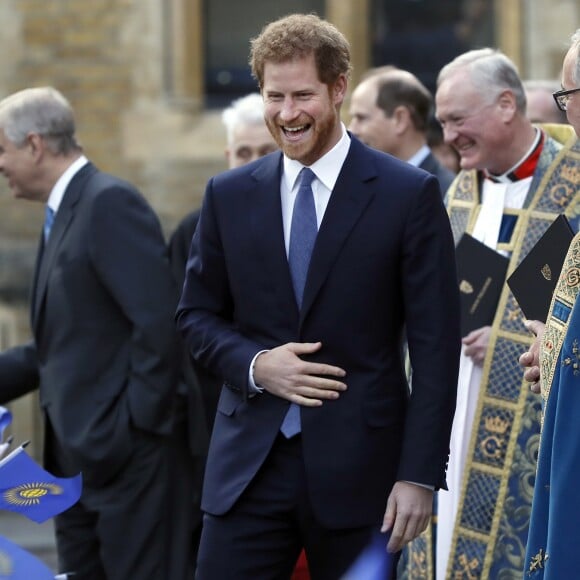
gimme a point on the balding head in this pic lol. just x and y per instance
(390, 111)
(541, 107)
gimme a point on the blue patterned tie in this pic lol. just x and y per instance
(302, 237)
(48, 220)
(302, 233)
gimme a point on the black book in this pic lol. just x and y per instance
(481, 274)
(533, 281)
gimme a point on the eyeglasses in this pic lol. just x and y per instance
(562, 98)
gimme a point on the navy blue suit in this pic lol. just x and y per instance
(104, 357)
(383, 260)
(444, 176)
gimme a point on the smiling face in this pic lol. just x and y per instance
(302, 113)
(570, 82)
(477, 127)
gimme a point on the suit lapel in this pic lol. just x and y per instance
(350, 196)
(34, 293)
(266, 226)
(49, 251)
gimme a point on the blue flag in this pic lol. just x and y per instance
(5, 420)
(18, 564)
(30, 490)
(373, 563)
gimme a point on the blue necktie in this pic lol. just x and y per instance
(48, 220)
(303, 233)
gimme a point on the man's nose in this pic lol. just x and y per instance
(449, 133)
(289, 110)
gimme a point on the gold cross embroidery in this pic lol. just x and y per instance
(574, 360)
(537, 562)
(468, 568)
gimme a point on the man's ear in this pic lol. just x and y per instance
(36, 145)
(402, 117)
(507, 104)
(339, 89)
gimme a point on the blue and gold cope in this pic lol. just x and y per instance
(555, 520)
(491, 528)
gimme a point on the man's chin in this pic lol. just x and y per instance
(293, 152)
(468, 164)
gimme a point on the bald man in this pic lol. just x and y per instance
(541, 107)
(390, 110)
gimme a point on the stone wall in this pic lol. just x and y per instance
(547, 31)
(109, 57)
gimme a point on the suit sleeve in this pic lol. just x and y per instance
(431, 298)
(18, 372)
(205, 312)
(128, 251)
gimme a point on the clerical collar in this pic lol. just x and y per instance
(523, 168)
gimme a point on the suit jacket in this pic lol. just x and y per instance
(179, 245)
(202, 387)
(103, 349)
(443, 175)
(383, 258)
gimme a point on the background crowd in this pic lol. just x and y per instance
(307, 341)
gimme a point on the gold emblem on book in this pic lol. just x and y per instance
(465, 287)
(546, 272)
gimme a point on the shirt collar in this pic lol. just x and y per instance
(420, 156)
(326, 169)
(57, 192)
(525, 167)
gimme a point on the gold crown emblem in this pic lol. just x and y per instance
(546, 272)
(496, 425)
(465, 287)
(571, 173)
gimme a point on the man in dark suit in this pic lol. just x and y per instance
(390, 110)
(103, 352)
(317, 442)
(248, 139)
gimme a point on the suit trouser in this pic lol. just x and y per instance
(261, 537)
(184, 503)
(119, 531)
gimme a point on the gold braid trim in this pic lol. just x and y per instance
(502, 404)
(565, 293)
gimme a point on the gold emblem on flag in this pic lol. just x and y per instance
(31, 493)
